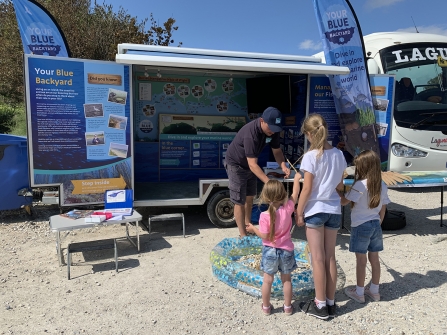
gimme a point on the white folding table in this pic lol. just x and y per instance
(58, 223)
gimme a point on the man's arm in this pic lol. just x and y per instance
(256, 169)
(279, 158)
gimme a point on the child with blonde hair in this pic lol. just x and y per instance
(320, 210)
(278, 249)
(368, 198)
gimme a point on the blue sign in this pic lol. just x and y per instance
(79, 126)
(383, 96)
(343, 46)
(40, 33)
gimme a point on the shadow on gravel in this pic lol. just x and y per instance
(408, 283)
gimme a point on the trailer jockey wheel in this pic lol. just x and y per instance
(220, 210)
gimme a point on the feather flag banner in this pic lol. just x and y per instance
(343, 46)
(39, 31)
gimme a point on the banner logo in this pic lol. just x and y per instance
(340, 36)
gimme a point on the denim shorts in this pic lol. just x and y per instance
(326, 220)
(241, 182)
(274, 260)
(366, 237)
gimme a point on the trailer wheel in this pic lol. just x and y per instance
(220, 210)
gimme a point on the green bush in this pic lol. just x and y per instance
(6, 119)
(19, 122)
(12, 120)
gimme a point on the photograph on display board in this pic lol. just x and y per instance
(117, 96)
(118, 150)
(117, 122)
(149, 110)
(382, 128)
(380, 105)
(94, 138)
(93, 110)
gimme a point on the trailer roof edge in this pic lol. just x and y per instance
(125, 47)
(232, 65)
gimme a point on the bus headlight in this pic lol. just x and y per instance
(401, 150)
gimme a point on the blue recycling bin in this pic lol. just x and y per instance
(13, 172)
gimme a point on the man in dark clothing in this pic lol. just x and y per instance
(404, 90)
(241, 162)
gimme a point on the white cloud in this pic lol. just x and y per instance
(311, 45)
(439, 30)
(373, 4)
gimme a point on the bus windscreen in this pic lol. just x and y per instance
(421, 84)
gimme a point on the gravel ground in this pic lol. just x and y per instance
(168, 288)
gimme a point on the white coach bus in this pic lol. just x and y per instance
(419, 62)
(419, 129)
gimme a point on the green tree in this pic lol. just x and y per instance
(92, 32)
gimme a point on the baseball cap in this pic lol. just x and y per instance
(273, 118)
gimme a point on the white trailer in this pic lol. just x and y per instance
(152, 62)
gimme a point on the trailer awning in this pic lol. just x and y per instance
(203, 59)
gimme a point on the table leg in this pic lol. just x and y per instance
(58, 246)
(138, 235)
(130, 238)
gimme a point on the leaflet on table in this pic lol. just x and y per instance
(77, 213)
(95, 218)
(116, 218)
(119, 211)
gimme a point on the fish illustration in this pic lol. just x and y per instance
(360, 97)
(113, 195)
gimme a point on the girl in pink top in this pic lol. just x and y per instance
(278, 249)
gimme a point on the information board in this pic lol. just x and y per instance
(196, 141)
(79, 126)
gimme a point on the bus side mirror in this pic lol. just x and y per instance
(373, 68)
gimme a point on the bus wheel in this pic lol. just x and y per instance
(220, 210)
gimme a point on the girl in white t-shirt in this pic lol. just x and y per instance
(368, 198)
(319, 208)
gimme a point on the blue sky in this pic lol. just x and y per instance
(278, 26)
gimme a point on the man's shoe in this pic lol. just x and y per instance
(373, 296)
(352, 293)
(310, 308)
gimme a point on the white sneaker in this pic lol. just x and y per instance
(373, 296)
(352, 293)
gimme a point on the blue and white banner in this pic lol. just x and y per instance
(343, 46)
(40, 33)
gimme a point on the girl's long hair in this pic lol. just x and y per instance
(315, 125)
(273, 191)
(367, 166)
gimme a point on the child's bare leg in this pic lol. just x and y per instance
(375, 267)
(287, 288)
(315, 238)
(266, 289)
(361, 269)
(330, 239)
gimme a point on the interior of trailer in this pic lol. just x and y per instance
(188, 105)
